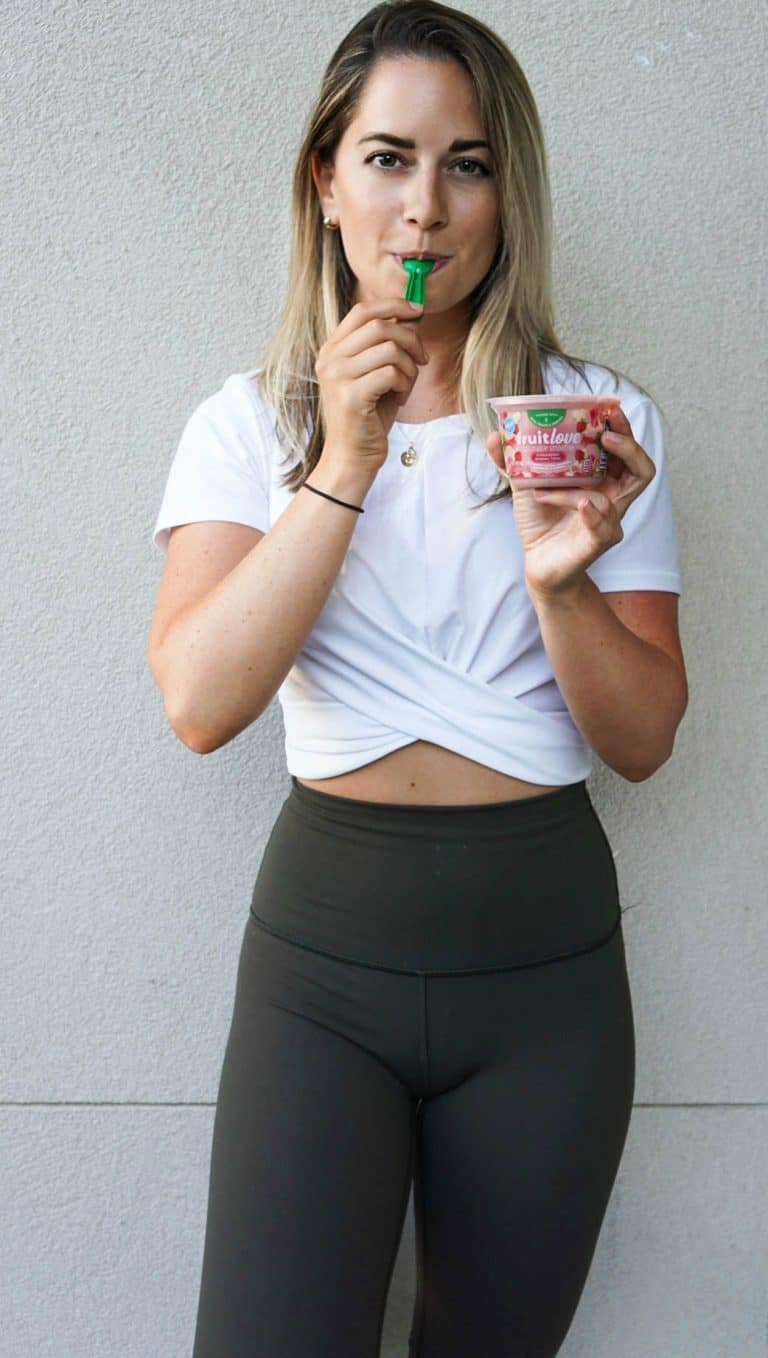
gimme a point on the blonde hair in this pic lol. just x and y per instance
(511, 318)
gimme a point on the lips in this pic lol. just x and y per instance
(441, 261)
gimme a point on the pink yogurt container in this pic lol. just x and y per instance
(553, 441)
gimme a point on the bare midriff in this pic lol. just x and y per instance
(427, 775)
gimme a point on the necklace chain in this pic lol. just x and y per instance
(411, 454)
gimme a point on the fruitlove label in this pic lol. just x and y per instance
(554, 442)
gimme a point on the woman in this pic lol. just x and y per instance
(432, 983)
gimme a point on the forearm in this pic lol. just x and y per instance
(626, 696)
(225, 657)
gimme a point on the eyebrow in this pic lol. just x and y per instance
(408, 145)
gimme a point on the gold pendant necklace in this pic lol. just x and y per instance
(411, 454)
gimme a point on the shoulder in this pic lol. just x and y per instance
(240, 404)
(238, 418)
(590, 379)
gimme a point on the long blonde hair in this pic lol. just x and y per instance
(511, 327)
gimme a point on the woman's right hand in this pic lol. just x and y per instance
(366, 371)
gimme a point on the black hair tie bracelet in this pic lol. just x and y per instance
(358, 508)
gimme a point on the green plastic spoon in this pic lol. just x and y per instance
(417, 270)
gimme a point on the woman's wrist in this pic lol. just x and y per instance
(347, 480)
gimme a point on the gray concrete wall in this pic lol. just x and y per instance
(147, 161)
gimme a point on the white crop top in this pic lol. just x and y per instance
(428, 632)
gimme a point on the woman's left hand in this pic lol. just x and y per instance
(564, 531)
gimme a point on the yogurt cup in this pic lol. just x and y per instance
(553, 441)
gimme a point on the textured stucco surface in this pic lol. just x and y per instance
(147, 160)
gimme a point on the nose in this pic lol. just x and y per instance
(424, 203)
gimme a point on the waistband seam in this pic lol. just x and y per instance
(484, 820)
(439, 971)
(336, 805)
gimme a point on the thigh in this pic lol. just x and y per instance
(516, 1163)
(309, 1179)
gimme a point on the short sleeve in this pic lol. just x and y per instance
(221, 468)
(647, 556)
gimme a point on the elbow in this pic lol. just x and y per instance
(635, 776)
(184, 731)
(179, 726)
(197, 746)
(202, 736)
(201, 741)
(642, 775)
(673, 733)
(192, 739)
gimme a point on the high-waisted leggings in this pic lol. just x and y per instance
(432, 996)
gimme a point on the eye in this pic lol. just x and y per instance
(478, 163)
(464, 161)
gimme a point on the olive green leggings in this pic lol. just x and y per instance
(433, 997)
